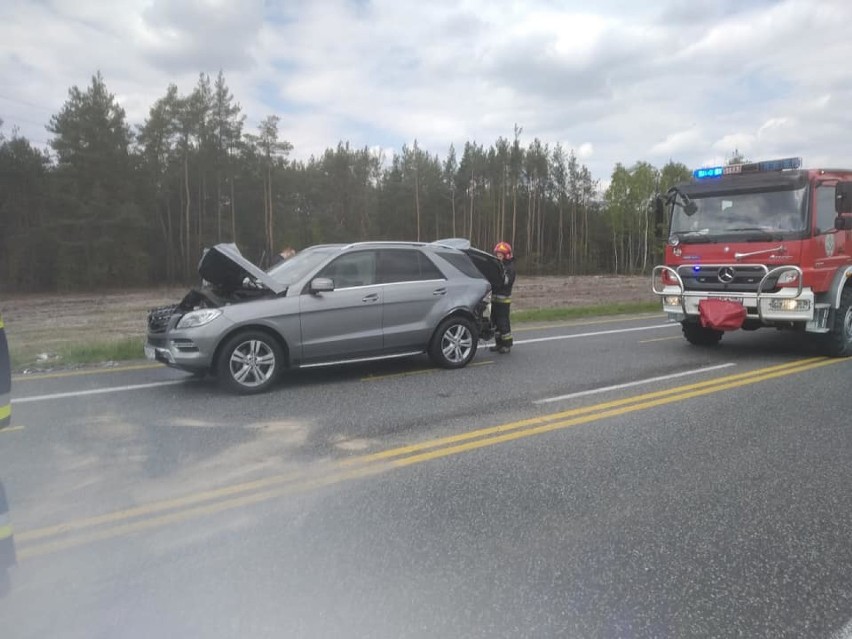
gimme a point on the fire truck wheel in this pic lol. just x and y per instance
(838, 340)
(700, 336)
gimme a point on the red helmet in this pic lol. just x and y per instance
(503, 247)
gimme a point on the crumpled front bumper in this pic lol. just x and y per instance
(185, 353)
(190, 349)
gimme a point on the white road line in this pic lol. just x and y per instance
(96, 391)
(119, 389)
(596, 333)
(650, 380)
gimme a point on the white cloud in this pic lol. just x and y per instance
(678, 142)
(686, 81)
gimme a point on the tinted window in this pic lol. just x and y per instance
(352, 269)
(461, 262)
(406, 266)
(428, 270)
(825, 212)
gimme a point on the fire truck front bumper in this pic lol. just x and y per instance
(782, 306)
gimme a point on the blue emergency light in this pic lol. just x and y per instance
(751, 167)
(703, 174)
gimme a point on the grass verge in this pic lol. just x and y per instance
(73, 353)
(76, 352)
(555, 314)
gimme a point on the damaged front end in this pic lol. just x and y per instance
(227, 278)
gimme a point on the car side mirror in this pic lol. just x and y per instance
(843, 197)
(322, 285)
(843, 223)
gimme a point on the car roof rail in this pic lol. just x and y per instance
(384, 243)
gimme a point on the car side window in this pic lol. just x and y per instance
(825, 212)
(352, 269)
(406, 265)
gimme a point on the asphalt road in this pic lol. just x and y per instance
(605, 479)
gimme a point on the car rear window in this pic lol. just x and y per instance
(461, 262)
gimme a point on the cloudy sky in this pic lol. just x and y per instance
(615, 80)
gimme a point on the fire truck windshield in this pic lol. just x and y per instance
(744, 216)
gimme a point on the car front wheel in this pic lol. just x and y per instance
(454, 343)
(250, 362)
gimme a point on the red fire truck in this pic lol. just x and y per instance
(762, 244)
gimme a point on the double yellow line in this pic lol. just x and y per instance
(51, 539)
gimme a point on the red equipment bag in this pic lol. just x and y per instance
(721, 315)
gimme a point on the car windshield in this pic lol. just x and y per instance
(298, 266)
(755, 215)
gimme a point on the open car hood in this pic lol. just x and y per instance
(225, 267)
(487, 264)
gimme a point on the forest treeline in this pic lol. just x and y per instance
(115, 205)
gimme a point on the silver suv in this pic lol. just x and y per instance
(329, 304)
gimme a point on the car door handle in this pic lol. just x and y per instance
(372, 297)
(439, 291)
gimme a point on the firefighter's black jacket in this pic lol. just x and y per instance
(504, 289)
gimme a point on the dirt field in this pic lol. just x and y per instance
(43, 323)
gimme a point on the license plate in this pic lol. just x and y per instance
(735, 300)
(149, 352)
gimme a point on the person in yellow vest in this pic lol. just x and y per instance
(501, 299)
(7, 543)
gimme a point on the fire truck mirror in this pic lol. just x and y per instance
(843, 197)
(843, 223)
(659, 215)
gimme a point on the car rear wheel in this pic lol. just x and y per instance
(454, 343)
(250, 362)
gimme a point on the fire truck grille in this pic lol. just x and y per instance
(732, 278)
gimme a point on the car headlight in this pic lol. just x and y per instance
(194, 319)
(788, 277)
(789, 305)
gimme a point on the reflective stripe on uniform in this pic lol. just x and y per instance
(5, 407)
(501, 300)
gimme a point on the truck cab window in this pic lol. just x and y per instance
(825, 214)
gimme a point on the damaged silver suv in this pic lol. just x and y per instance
(329, 304)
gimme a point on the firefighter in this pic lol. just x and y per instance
(7, 544)
(501, 300)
